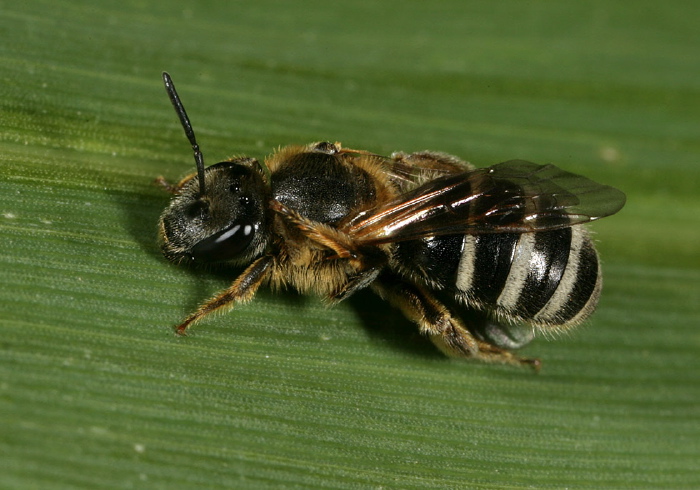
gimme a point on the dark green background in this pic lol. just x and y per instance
(96, 391)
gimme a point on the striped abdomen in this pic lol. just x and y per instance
(548, 279)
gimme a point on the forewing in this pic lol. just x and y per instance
(514, 196)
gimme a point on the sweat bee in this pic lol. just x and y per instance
(426, 231)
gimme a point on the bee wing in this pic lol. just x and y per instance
(407, 170)
(512, 197)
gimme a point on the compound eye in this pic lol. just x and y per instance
(227, 244)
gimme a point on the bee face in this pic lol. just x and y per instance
(224, 223)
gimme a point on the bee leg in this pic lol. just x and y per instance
(172, 188)
(241, 291)
(434, 319)
(320, 233)
(367, 261)
(360, 281)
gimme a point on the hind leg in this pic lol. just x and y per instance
(435, 320)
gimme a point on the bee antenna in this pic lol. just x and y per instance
(187, 126)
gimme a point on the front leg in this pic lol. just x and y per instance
(241, 291)
(319, 233)
(447, 332)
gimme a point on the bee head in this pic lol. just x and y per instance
(226, 223)
(218, 214)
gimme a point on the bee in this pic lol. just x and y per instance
(506, 245)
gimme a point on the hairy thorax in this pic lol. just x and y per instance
(325, 188)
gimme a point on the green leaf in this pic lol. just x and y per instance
(97, 392)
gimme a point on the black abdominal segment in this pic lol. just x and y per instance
(549, 278)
